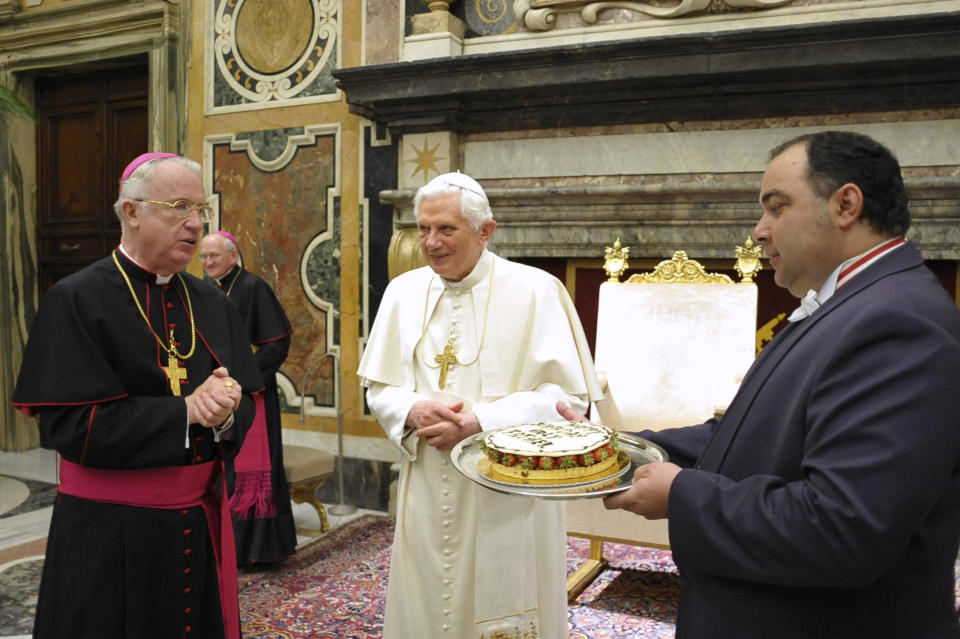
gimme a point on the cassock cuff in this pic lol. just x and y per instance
(409, 441)
(222, 428)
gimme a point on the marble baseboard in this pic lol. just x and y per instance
(23, 530)
(366, 484)
(18, 596)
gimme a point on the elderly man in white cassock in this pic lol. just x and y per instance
(469, 343)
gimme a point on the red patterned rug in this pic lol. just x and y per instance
(335, 587)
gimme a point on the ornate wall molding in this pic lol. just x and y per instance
(103, 35)
(864, 65)
(77, 34)
(656, 219)
(278, 192)
(9, 8)
(269, 53)
(541, 15)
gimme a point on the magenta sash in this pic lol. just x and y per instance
(253, 488)
(169, 487)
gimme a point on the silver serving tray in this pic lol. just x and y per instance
(634, 451)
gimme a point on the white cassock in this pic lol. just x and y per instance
(469, 562)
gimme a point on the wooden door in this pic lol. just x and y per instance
(92, 125)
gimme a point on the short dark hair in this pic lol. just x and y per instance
(835, 158)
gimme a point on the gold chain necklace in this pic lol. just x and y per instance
(448, 357)
(171, 348)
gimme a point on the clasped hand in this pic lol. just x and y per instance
(214, 400)
(441, 425)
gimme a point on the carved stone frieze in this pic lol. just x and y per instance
(8, 8)
(578, 222)
(862, 65)
(541, 15)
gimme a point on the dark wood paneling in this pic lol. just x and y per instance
(70, 170)
(91, 126)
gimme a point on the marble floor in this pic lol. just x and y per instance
(27, 490)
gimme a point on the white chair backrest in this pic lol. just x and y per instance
(672, 354)
(672, 349)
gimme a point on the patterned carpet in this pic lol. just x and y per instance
(335, 589)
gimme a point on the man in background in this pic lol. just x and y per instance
(263, 517)
(471, 342)
(141, 376)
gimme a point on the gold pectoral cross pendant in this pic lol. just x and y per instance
(174, 374)
(446, 359)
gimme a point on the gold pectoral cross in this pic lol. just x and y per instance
(446, 359)
(174, 373)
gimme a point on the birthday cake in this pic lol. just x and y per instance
(551, 452)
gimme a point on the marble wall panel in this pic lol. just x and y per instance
(366, 484)
(18, 302)
(383, 32)
(270, 53)
(490, 17)
(380, 174)
(283, 213)
(366, 467)
(563, 193)
(424, 156)
(916, 143)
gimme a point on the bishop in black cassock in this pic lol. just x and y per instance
(135, 538)
(272, 536)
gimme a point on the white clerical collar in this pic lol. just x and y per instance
(477, 275)
(161, 279)
(846, 271)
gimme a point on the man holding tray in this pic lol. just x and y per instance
(471, 342)
(826, 501)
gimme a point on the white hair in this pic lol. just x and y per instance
(474, 206)
(132, 188)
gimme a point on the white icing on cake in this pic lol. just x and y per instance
(549, 438)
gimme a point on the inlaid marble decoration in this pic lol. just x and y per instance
(18, 304)
(489, 17)
(19, 582)
(270, 53)
(380, 153)
(277, 192)
(424, 156)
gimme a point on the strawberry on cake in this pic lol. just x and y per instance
(557, 452)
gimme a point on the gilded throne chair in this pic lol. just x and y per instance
(672, 347)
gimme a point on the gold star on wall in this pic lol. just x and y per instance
(426, 159)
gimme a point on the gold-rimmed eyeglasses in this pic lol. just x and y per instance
(183, 208)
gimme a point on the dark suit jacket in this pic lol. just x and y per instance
(826, 501)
